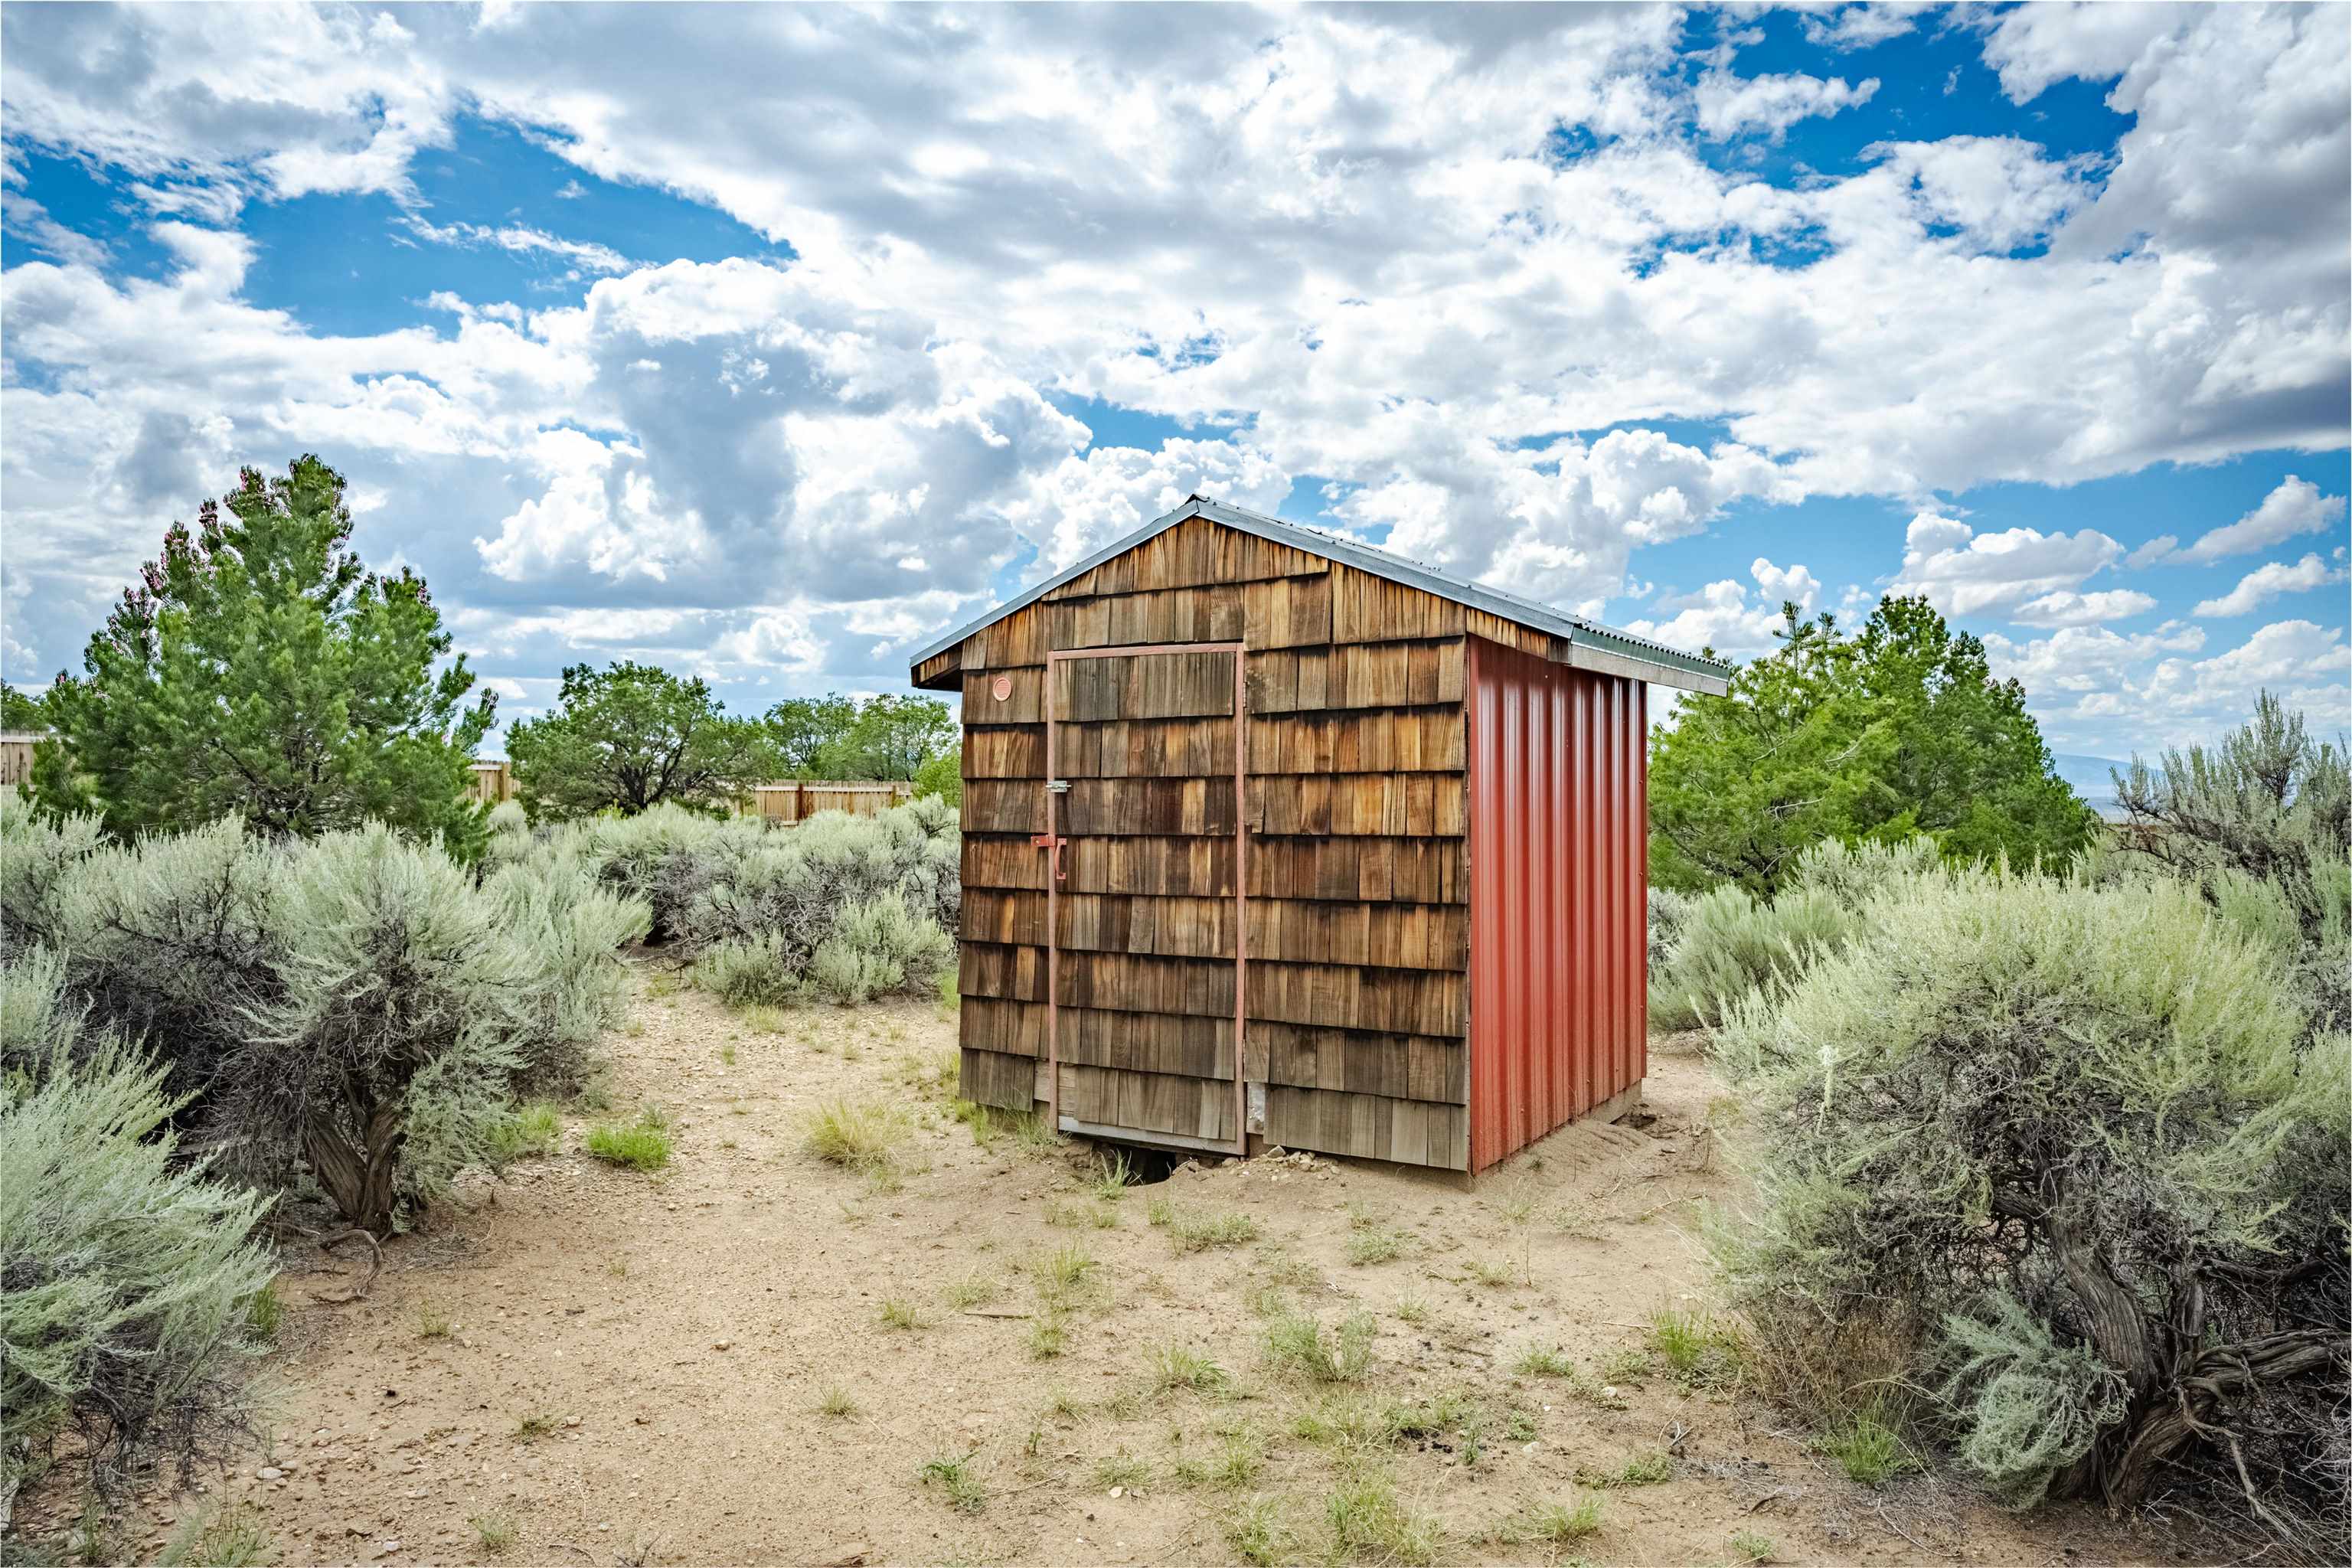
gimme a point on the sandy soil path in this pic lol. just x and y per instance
(624, 1369)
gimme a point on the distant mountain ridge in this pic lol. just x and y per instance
(2088, 775)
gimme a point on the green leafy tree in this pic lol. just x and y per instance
(943, 776)
(895, 736)
(259, 667)
(631, 737)
(838, 737)
(1900, 730)
(807, 730)
(20, 712)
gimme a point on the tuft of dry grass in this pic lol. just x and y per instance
(857, 1135)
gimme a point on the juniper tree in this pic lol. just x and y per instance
(634, 736)
(259, 667)
(1897, 731)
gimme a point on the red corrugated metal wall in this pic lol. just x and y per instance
(1559, 889)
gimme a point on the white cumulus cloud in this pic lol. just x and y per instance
(2267, 582)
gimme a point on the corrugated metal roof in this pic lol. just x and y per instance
(1380, 564)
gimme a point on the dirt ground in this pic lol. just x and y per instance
(616, 1368)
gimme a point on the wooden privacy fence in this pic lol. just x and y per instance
(17, 753)
(491, 783)
(792, 801)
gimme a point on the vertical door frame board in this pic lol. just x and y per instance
(1055, 842)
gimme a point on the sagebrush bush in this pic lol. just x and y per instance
(2072, 1152)
(1667, 910)
(170, 935)
(357, 1007)
(39, 854)
(565, 929)
(880, 946)
(755, 972)
(837, 907)
(130, 1275)
(1723, 943)
(510, 839)
(384, 1059)
(2259, 824)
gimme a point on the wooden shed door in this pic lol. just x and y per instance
(1146, 946)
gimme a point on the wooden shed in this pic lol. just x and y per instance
(1235, 782)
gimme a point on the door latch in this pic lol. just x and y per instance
(1052, 841)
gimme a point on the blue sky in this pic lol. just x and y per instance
(770, 343)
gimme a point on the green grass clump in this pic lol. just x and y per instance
(954, 1475)
(1240, 1456)
(1033, 1134)
(526, 1132)
(1257, 1534)
(1049, 1335)
(1546, 1363)
(1556, 1523)
(1122, 1469)
(1300, 1344)
(1195, 1230)
(264, 1313)
(1369, 1522)
(1753, 1546)
(641, 1145)
(231, 1536)
(432, 1323)
(1366, 1247)
(977, 1289)
(1868, 1448)
(1174, 1366)
(496, 1532)
(1064, 1270)
(1695, 1348)
(533, 1427)
(837, 1405)
(900, 1314)
(1646, 1467)
(1112, 1177)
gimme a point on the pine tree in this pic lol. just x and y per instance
(1898, 731)
(259, 667)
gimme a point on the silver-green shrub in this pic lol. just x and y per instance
(838, 907)
(565, 928)
(1667, 910)
(877, 947)
(384, 1057)
(41, 1024)
(169, 938)
(130, 1274)
(357, 1008)
(2026, 1406)
(2053, 1140)
(1725, 943)
(755, 971)
(39, 854)
(2261, 823)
